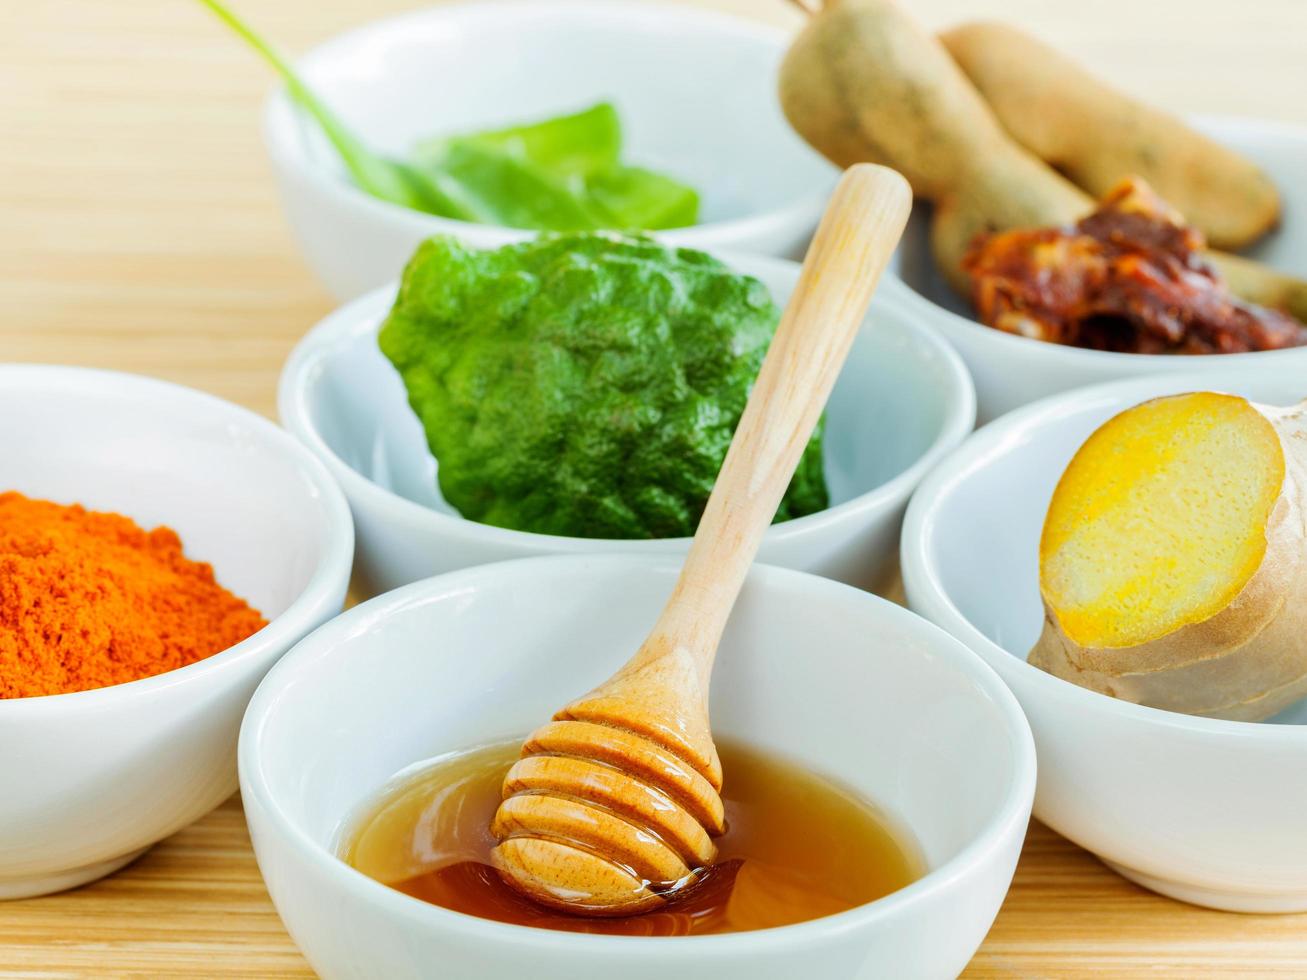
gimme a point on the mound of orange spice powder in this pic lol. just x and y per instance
(90, 599)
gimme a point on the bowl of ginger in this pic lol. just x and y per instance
(160, 550)
(1130, 558)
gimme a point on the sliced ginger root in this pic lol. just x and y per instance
(1172, 563)
(1160, 520)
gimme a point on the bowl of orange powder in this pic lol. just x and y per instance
(160, 549)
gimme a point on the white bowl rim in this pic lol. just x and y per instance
(332, 570)
(919, 563)
(959, 404)
(1013, 809)
(1066, 354)
(287, 152)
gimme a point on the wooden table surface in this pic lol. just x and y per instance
(139, 230)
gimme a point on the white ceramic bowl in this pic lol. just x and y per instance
(695, 89)
(1010, 371)
(844, 682)
(903, 401)
(1202, 810)
(89, 780)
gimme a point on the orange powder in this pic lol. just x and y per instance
(90, 599)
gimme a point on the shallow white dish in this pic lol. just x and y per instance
(1010, 371)
(848, 683)
(89, 780)
(902, 402)
(1202, 810)
(695, 90)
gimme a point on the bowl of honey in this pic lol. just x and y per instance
(878, 781)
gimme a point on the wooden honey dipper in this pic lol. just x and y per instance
(615, 803)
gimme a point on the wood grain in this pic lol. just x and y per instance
(139, 230)
(863, 223)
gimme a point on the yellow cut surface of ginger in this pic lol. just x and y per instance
(1160, 519)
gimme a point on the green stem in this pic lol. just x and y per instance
(389, 180)
(346, 143)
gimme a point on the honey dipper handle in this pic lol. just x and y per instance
(862, 225)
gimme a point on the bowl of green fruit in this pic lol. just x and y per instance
(493, 121)
(576, 393)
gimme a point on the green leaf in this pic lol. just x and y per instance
(584, 385)
(579, 144)
(503, 189)
(560, 174)
(632, 198)
(570, 168)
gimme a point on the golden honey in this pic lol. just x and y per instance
(797, 847)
